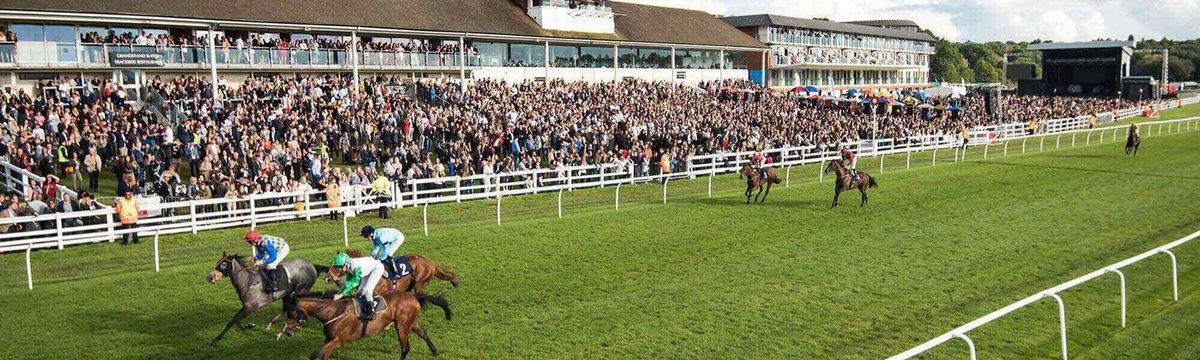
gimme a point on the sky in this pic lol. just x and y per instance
(989, 20)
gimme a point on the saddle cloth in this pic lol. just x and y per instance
(380, 305)
(283, 280)
(399, 267)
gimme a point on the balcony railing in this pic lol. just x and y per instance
(849, 42)
(199, 56)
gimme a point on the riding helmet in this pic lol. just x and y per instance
(341, 259)
(367, 230)
(253, 236)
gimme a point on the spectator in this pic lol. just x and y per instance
(127, 211)
(92, 165)
(66, 205)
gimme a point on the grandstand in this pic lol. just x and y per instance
(497, 39)
(840, 56)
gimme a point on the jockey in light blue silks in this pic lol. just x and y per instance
(384, 243)
(270, 252)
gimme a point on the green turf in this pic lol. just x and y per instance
(700, 277)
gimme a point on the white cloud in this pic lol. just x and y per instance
(987, 20)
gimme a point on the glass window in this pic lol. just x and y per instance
(653, 59)
(628, 57)
(526, 55)
(564, 55)
(493, 54)
(87, 32)
(61, 40)
(30, 46)
(595, 57)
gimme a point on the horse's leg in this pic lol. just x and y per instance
(403, 337)
(273, 320)
(237, 319)
(416, 329)
(863, 189)
(748, 191)
(768, 193)
(836, 193)
(326, 350)
(760, 191)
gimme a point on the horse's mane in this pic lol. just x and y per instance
(241, 260)
(354, 253)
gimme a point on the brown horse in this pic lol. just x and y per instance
(342, 325)
(755, 182)
(423, 271)
(846, 182)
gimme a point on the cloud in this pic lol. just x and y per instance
(988, 20)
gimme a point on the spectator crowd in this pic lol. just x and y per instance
(282, 133)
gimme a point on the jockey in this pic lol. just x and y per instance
(851, 161)
(1135, 130)
(270, 252)
(759, 161)
(384, 241)
(362, 274)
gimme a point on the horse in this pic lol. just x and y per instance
(846, 182)
(423, 271)
(754, 181)
(342, 325)
(1132, 143)
(248, 285)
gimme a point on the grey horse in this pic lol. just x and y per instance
(246, 281)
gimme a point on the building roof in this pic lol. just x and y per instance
(885, 22)
(1083, 45)
(833, 26)
(634, 22)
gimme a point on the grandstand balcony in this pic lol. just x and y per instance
(30, 55)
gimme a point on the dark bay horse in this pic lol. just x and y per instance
(342, 325)
(755, 182)
(846, 182)
(1132, 143)
(423, 271)
(248, 284)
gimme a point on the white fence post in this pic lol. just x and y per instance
(345, 227)
(1042, 144)
(253, 217)
(1089, 138)
(1058, 141)
(425, 218)
(908, 160)
(956, 153)
(665, 180)
(882, 157)
(1122, 276)
(498, 209)
(192, 212)
(935, 150)
(560, 203)
(985, 149)
(617, 198)
(1062, 322)
(970, 344)
(112, 230)
(1174, 273)
(787, 179)
(821, 172)
(1073, 139)
(156, 233)
(458, 189)
(58, 227)
(28, 267)
(1006, 148)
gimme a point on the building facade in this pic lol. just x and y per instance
(891, 54)
(514, 40)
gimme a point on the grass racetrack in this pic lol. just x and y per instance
(703, 277)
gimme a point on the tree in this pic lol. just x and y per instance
(948, 64)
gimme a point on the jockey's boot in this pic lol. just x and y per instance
(368, 308)
(854, 174)
(389, 268)
(270, 283)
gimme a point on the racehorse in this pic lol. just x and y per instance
(342, 324)
(1132, 143)
(755, 182)
(248, 284)
(846, 182)
(422, 272)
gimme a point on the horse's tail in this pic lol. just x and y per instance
(775, 180)
(445, 274)
(871, 182)
(438, 300)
